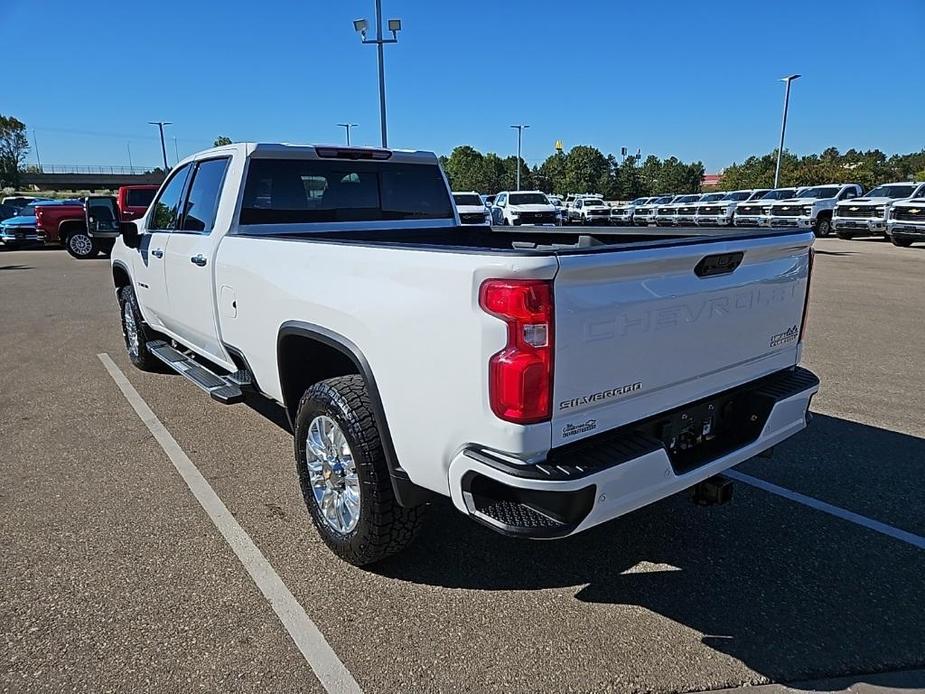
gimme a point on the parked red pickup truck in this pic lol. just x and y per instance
(84, 229)
(92, 226)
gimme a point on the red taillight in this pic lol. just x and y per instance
(809, 277)
(39, 213)
(520, 375)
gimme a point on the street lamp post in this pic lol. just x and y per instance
(783, 125)
(160, 124)
(361, 26)
(347, 126)
(520, 133)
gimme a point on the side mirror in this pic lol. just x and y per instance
(130, 235)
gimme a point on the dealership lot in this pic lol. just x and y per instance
(115, 579)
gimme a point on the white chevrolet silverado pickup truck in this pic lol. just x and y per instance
(544, 380)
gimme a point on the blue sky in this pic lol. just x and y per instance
(691, 79)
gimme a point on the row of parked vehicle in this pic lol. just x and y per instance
(85, 227)
(894, 210)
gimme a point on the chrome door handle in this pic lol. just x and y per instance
(199, 260)
(157, 253)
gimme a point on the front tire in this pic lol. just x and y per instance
(823, 227)
(845, 237)
(902, 243)
(81, 245)
(344, 476)
(136, 333)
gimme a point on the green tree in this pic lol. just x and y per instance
(650, 173)
(14, 145)
(221, 140)
(466, 169)
(551, 174)
(629, 184)
(586, 170)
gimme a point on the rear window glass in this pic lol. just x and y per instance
(293, 191)
(139, 197)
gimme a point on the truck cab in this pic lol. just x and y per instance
(667, 215)
(589, 210)
(907, 219)
(133, 200)
(812, 208)
(754, 212)
(524, 207)
(868, 215)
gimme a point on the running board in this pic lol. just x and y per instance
(220, 388)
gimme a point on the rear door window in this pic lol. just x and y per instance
(202, 202)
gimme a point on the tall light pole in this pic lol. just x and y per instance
(361, 26)
(160, 124)
(783, 125)
(520, 134)
(347, 126)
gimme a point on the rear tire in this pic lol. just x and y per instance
(902, 243)
(845, 237)
(81, 245)
(381, 527)
(136, 333)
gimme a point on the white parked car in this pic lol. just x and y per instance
(622, 215)
(812, 208)
(868, 215)
(471, 209)
(755, 212)
(560, 208)
(667, 215)
(722, 212)
(413, 363)
(516, 208)
(907, 220)
(645, 214)
(589, 211)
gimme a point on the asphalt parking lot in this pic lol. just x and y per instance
(114, 579)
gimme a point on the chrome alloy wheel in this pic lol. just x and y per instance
(131, 330)
(80, 244)
(333, 474)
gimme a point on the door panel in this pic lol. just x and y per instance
(189, 268)
(148, 273)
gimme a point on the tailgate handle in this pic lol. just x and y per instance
(719, 264)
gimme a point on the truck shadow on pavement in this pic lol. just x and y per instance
(793, 593)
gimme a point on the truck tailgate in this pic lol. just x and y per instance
(638, 332)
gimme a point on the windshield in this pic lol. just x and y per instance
(738, 195)
(819, 193)
(663, 200)
(782, 194)
(898, 191)
(293, 191)
(712, 197)
(690, 198)
(528, 199)
(467, 199)
(640, 201)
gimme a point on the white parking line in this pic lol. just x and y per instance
(837, 511)
(333, 674)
